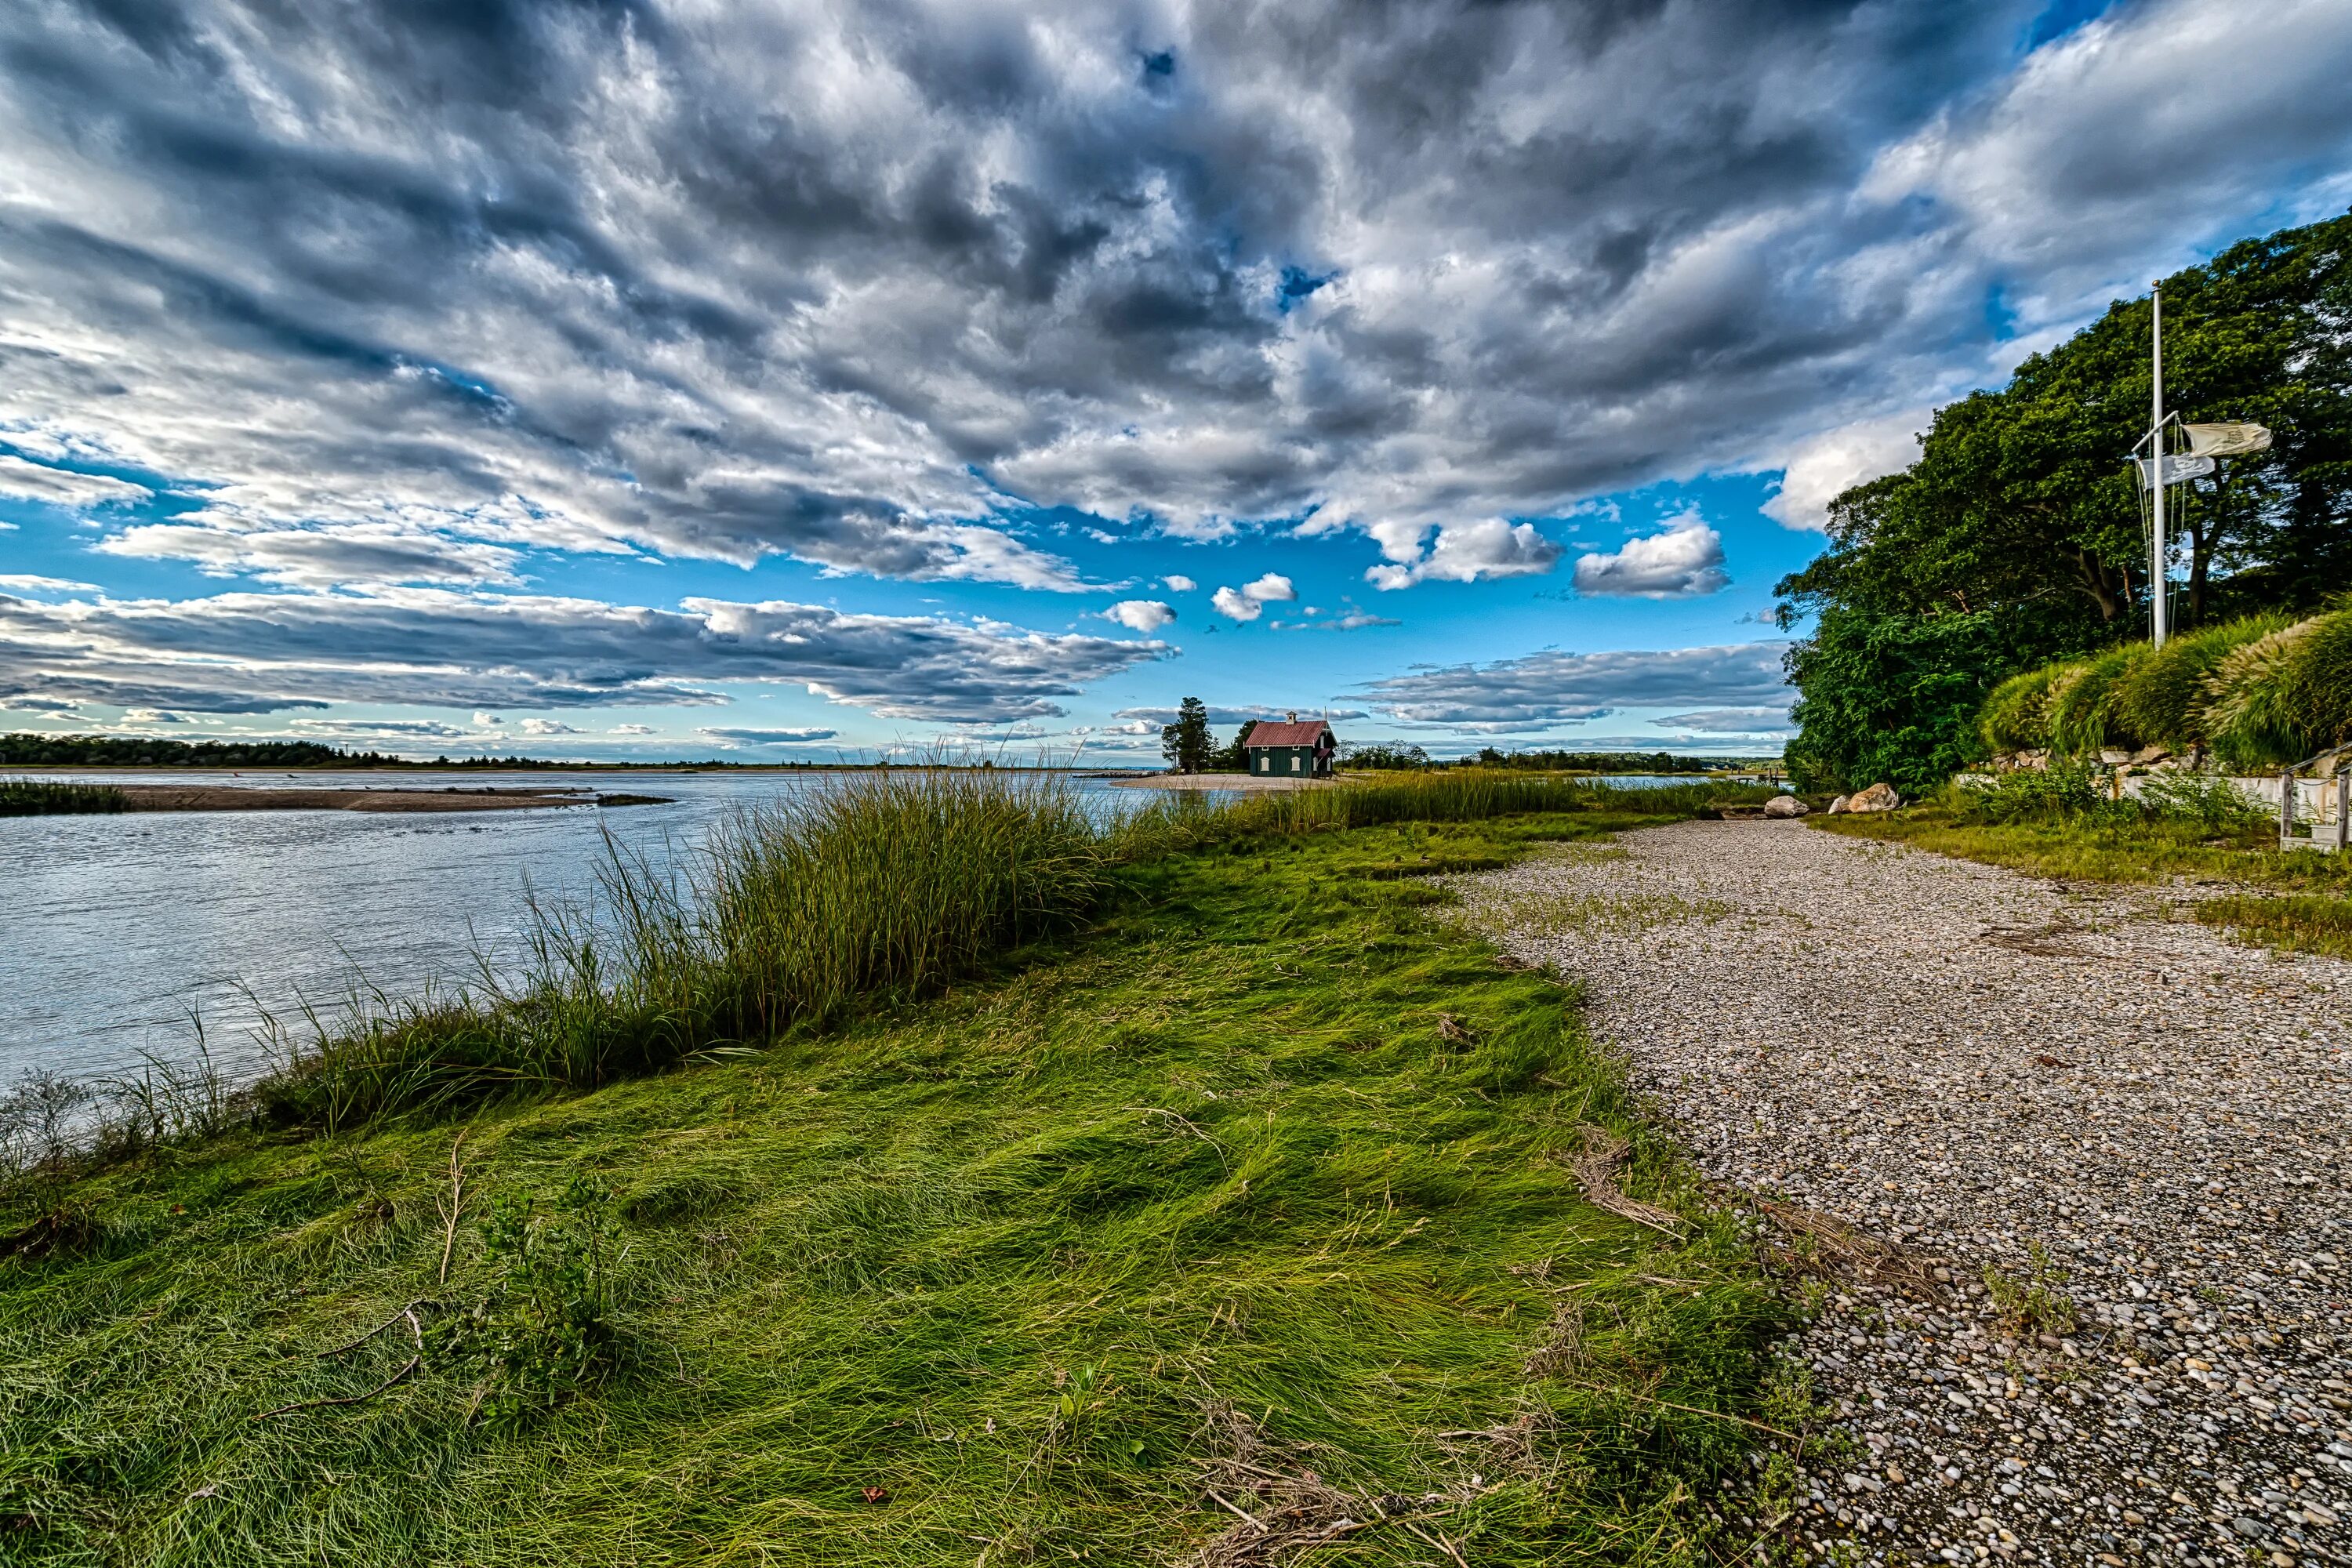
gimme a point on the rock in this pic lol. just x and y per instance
(1785, 805)
(2111, 757)
(2148, 754)
(1880, 796)
(1837, 805)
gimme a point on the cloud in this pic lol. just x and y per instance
(631, 730)
(1732, 721)
(766, 737)
(1550, 688)
(1145, 615)
(1179, 584)
(1464, 552)
(1684, 560)
(1151, 719)
(18, 583)
(858, 285)
(263, 652)
(1248, 602)
(151, 716)
(1821, 467)
(62, 486)
(549, 727)
(379, 730)
(321, 557)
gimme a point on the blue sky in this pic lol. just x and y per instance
(620, 381)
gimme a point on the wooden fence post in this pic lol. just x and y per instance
(2286, 809)
(2343, 809)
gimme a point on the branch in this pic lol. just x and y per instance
(414, 1361)
(457, 1204)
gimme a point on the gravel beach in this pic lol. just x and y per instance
(2138, 1127)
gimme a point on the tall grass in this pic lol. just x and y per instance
(2261, 692)
(869, 889)
(2016, 716)
(2086, 712)
(47, 797)
(2164, 697)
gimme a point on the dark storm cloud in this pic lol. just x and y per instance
(245, 653)
(850, 281)
(1544, 689)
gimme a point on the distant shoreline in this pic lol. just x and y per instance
(235, 798)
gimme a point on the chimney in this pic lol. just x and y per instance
(1292, 716)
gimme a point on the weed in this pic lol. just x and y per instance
(2036, 1304)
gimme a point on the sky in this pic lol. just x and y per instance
(622, 379)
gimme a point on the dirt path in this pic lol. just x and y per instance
(2149, 1123)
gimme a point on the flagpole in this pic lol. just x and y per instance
(2158, 623)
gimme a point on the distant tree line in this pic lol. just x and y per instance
(2016, 538)
(138, 751)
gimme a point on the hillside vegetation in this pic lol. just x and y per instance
(2014, 542)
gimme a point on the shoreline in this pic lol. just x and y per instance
(1239, 784)
(233, 797)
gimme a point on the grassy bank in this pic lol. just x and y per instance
(1252, 1190)
(2049, 826)
(44, 797)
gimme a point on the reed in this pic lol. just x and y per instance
(870, 889)
(47, 797)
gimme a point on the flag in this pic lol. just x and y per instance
(2226, 440)
(2176, 470)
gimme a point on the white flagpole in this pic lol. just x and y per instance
(2158, 621)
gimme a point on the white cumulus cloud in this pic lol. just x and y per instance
(1145, 615)
(1682, 561)
(1249, 601)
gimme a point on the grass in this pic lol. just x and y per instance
(2299, 900)
(1254, 1189)
(44, 797)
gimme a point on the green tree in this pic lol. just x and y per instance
(2019, 523)
(1186, 743)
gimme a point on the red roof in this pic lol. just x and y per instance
(1275, 732)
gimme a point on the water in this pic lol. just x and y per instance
(119, 930)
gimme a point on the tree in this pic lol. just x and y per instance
(1187, 743)
(2016, 537)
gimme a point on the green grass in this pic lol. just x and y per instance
(1260, 1180)
(45, 798)
(2297, 899)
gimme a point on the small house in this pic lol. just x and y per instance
(1291, 748)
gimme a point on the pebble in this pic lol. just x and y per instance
(2078, 1085)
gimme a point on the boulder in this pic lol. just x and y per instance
(1785, 805)
(1837, 805)
(1880, 796)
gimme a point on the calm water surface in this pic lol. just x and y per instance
(117, 932)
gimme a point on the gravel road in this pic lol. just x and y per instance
(2073, 1087)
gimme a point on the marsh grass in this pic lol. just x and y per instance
(49, 797)
(1263, 1166)
(870, 889)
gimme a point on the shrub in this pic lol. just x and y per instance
(2163, 698)
(2084, 716)
(2016, 716)
(2252, 715)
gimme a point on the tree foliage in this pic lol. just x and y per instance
(2015, 539)
(1187, 743)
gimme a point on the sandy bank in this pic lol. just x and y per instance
(228, 797)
